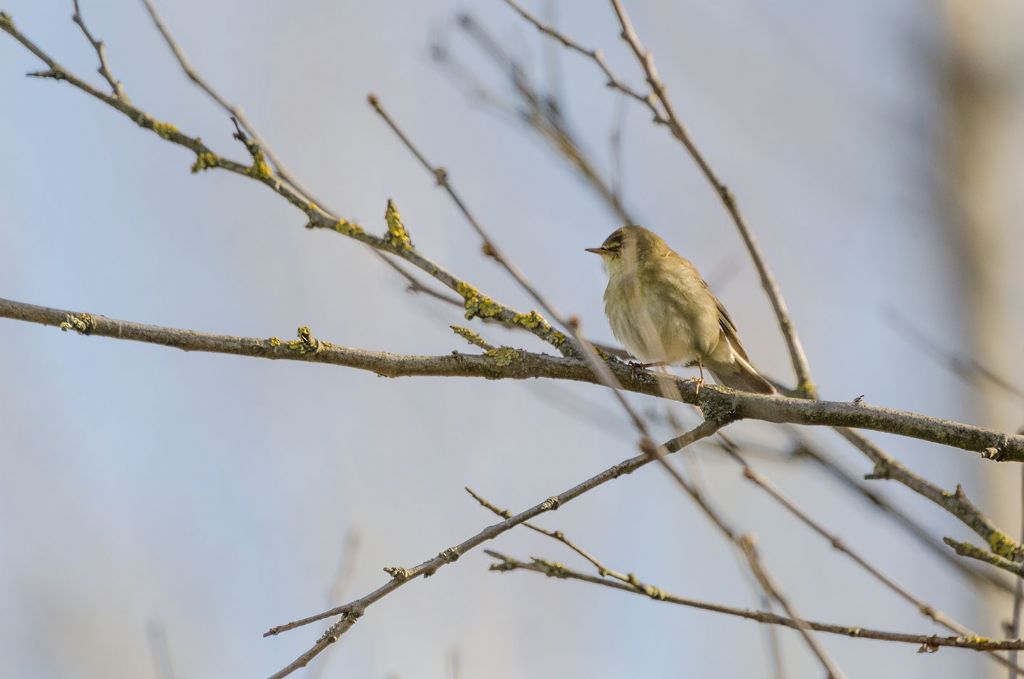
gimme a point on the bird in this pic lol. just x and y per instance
(664, 313)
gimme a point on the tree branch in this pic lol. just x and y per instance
(510, 363)
(927, 642)
(956, 502)
(395, 242)
(101, 52)
(351, 611)
(803, 450)
(926, 609)
(970, 551)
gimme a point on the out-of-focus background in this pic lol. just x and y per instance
(159, 510)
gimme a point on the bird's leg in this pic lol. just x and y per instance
(700, 380)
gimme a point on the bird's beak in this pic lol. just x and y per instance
(597, 251)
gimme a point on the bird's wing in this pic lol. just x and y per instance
(732, 335)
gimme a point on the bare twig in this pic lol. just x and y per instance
(542, 113)
(594, 55)
(101, 53)
(956, 502)
(974, 552)
(556, 535)
(235, 111)
(804, 450)
(282, 171)
(927, 642)
(351, 611)
(745, 543)
(926, 609)
(749, 547)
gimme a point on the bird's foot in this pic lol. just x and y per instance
(637, 367)
(698, 382)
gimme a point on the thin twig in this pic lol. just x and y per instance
(282, 171)
(595, 55)
(101, 52)
(351, 611)
(970, 551)
(925, 641)
(926, 609)
(541, 113)
(956, 503)
(804, 450)
(749, 547)
(235, 111)
(556, 535)
(745, 543)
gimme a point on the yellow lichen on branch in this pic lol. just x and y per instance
(397, 236)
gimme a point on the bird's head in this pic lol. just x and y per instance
(629, 247)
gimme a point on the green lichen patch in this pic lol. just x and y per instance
(472, 337)
(976, 640)
(553, 569)
(259, 169)
(306, 342)
(1000, 543)
(397, 236)
(530, 321)
(503, 356)
(808, 388)
(165, 130)
(477, 304)
(275, 341)
(204, 161)
(347, 228)
(83, 324)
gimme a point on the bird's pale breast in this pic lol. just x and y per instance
(665, 315)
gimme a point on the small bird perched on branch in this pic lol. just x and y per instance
(663, 312)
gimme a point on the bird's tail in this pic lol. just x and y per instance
(737, 373)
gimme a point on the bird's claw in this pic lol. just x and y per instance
(637, 367)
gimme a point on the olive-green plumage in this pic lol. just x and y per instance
(662, 311)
